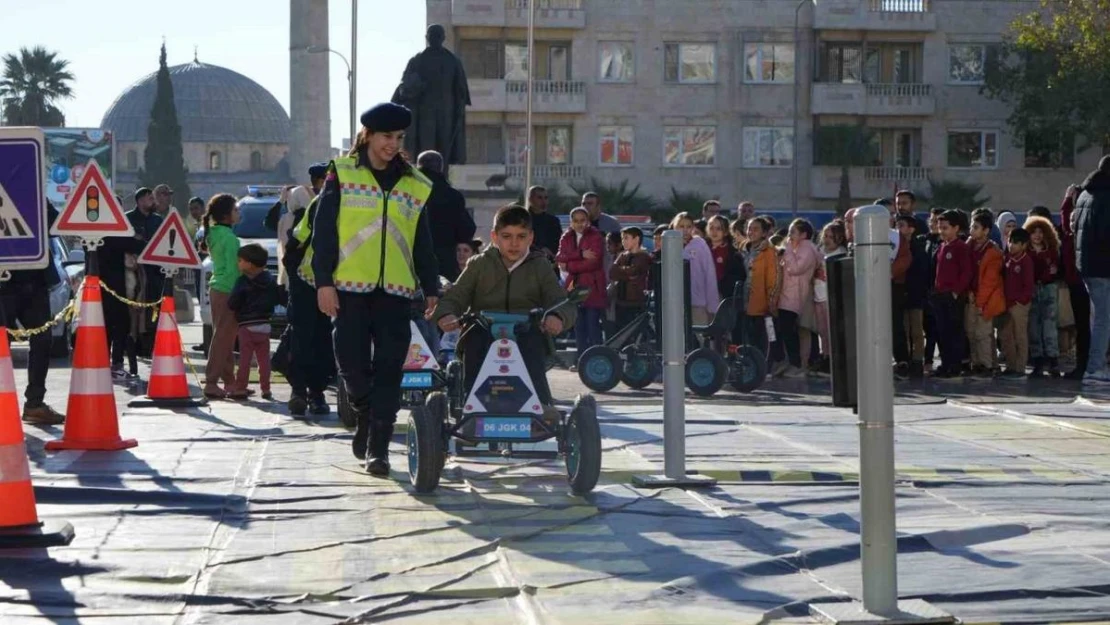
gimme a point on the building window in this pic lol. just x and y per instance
(516, 61)
(485, 145)
(690, 62)
(132, 160)
(215, 161)
(615, 61)
(689, 146)
(768, 62)
(615, 146)
(552, 145)
(973, 149)
(256, 161)
(482, 59)
(768, 147)
(969, 63)
(1050, 150)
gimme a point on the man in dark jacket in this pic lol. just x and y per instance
(1091, 220)
(546, 228)
(446, 209)
(25, 298)
(112, 267)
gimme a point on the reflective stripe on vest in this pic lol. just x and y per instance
(304, 226)
(363, 211)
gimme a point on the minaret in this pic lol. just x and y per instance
(309, 86)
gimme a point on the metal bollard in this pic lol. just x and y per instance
(875, 393)
(674, 327)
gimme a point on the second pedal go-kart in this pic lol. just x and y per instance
(422, 375)
(502, 410)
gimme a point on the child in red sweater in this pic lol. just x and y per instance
(1018, 285)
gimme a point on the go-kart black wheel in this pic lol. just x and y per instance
(599, 368)
(640, 368)
(706, 371)
(347, 414)
(583, 444)
(424, 441)
(748, 369)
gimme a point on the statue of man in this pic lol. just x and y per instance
(434, 88)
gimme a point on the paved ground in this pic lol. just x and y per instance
(236, 513)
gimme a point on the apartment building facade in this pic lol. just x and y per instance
(699, 95)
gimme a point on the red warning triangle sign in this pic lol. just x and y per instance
(170, 246)
(92, 211)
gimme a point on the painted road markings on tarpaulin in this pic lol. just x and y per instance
(170, 247)
(23, 240)
(92, 211)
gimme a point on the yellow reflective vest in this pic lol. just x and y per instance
(377, 232)
(304, 227)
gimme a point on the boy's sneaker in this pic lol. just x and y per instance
(981, 372)
(267, 395)
(794, 372)
(779, 368)
(1053, 368)
(551, 417)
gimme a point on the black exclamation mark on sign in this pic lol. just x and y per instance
(173, 237)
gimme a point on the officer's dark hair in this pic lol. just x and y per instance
(254, 254)
(361, 151)
(1019, 235)
(634, 232)
(512, 215)
(984, 219)
(219, 208)
(953, 217)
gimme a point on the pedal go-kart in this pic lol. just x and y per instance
(634, 356)
(422, 375)
(500, 411)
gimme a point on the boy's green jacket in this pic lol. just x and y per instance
(486, 284)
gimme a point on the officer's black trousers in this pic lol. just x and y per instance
(29, 304)
(312, 361)
(381, 320)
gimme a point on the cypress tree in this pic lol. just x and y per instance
(163, 158)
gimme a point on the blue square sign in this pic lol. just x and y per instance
(24, 243)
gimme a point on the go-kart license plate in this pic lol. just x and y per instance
(504, 427)
(422, 379)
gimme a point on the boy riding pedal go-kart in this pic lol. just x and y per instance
(505, 301)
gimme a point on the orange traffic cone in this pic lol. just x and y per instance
(19, 522)
(168, 387)
(91, 419)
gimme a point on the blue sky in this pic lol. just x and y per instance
(113, 43)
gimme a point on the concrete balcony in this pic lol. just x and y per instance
(477, 177)
(865, 182)
(872, 99)
(514, 13)
(547, 174)
(880, 15)
(511, 96)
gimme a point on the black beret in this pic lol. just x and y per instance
(319, 170)
(387, 117)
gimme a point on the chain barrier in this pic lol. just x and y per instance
(67, 314)
(155, 305)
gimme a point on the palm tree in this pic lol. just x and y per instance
(619, 199)
(31, 87)
(844, 146)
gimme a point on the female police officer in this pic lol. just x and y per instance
(371, 252)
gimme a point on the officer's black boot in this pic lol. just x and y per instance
(362, 435)
(318, 405)
(378, 463)
(297, 405)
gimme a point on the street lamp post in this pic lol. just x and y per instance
(528, 160)
(350, 82)
(353, 80)
(794, 138)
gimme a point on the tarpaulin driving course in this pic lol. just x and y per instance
(235, 513)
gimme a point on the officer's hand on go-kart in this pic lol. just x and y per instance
(449, 323)
(553, 325)
(327, 300)
(430, 306)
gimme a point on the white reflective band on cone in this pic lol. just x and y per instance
(92, 314)
(166, 323)
(90, 382)
(7, 376)
(167, 365)
(13, 463)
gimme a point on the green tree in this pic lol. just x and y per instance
(1054, 73)
(954, 194)
(620, 199)
(844, 146)
(163, 158)
(682, 202)
(32, 85)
